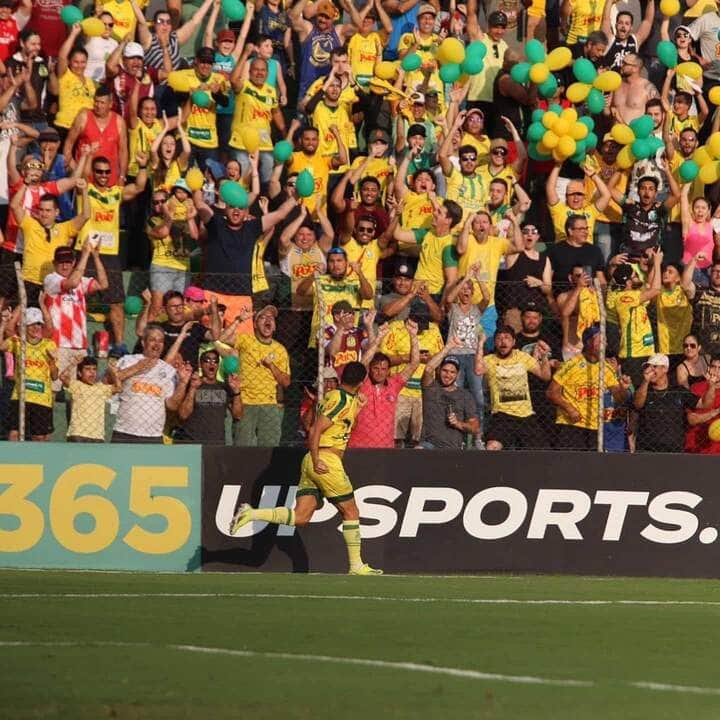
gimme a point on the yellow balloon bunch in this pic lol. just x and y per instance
(562, 133)
(604, 82)
(707, 159)
(714, 95)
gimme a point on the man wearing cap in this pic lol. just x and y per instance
(264, 378)
(66, 292)
(513, 423)
(125, 68)
(408, 296)
(39, 373)
(56, 168)
(449, 412)
(575, 389)
(662, 408)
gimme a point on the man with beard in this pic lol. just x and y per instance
(575, 251)
(624, 40)
(608, 223)
(449, 412)
(706, 307)
(629, 100)
(630, 301)
(408, 296)
(368, 203)
(579, 309)
(513, 424)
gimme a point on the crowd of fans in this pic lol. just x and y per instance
(470, 275)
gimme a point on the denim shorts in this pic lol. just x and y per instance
(163, 279)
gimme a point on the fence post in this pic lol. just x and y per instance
(20, 366)
(320, 336)
(601, 363)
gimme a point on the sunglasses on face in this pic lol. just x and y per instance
(102, 171)
(174, 306)
(689, 345)
(581, 194)
(163, 21)
(109, 24)
(530, 230)
(210, 361)
(365, 229)
(496, 52)
(499, 151)
(468, 158)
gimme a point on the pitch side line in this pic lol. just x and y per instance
(371, 598)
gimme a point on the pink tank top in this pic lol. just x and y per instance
(108, 140)
(699, 239)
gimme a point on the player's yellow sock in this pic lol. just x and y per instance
(351, 534)
(277, 515)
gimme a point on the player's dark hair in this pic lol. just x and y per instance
(686, 97)
(379, 358)
(454, 212)
(655, 102)
(369, 179)
(572, 221)
(625, 12)
(353, 374)
(49, 197)
(103, 91)
(467, 149)
(499, 181)
(170, 295)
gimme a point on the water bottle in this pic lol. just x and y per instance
(208, 191)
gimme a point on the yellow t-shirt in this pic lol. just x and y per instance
(436, 253)
(319, 167)
(677, 125)
(697, 188)
(481, 85)
(588, 310)
(40, 245)
(166, 254)
(253, 108)
(104, 223)
(347, 94)
(140, 139)
(38, 383)
(469, 191)
(202, 122)
(322, 118)
(508, 383)
(560, 212)
(342, 408)
(75, 94)
(585, 17)
(363, 53)
(507, 174)
(636, 335)
(379, 168)
(368, 256)
(613, 212)
(88, 409)
(124, 17)
(417, 212)
(257, 383)
(332, 291)
(489, 254)
(426, 49)
(674, 319)
(302, 265)
(580, 383)
(397, 342)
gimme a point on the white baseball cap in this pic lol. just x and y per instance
(658, 360)
(133, 49)
(33, 316)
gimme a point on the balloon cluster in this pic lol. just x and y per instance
(559, 134)
(591, 85)
(457, 60)
(704, 163)
(539, 68)
(637, 141)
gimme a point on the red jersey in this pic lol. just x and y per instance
(108, 142)
(375, 424)
(13, 235)
(697, 439)
(9, 32)
(68, 310)
(350, 348)
(45, 20)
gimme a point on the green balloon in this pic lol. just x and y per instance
(305, 183)
(584, 71)
(472, 65)
(655, 144)
(534, 51)
(689, 171)
(667, 53)
(233, 9)
(595, 101)
(450, 73)
(411, 62)
(520, 73)
(71, 15)
(234, 194)
(578, 158)
(536, 131)
(557, 109)
(133, 304)
(641, 148)
(591, 141)
(476, 49)
(642, 126)
(201, 99)
(588, 122)
(549, 87)
(537, 115)
(282, 151)
(230, 364)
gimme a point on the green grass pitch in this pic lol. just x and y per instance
(216, 646)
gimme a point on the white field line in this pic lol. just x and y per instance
(369, 662)
(371, 598)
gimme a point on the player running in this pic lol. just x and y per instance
(322, 472)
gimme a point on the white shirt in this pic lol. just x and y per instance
(99, 50)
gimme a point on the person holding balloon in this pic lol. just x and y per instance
(100, 47)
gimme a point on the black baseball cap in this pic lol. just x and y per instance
(205, 54)
(497, 19)
(417, 129)
(403, 269)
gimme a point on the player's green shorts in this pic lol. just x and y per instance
(334, 484)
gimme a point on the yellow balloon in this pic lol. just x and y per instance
(543, 149)
(577, 92)
(622, 134)
(608, 81)
(92, 27)
(710, 173)
(550, 139)
(559, 58)
(561, 127)
(250, 138)
(691, 69)
(451, 50)
(385, 70)
(625, 158)
(569, 114)
(194, 178)
(714, 430)
(558, 156)
(713, 145)
(670, 7)
(539, 73)
(549, 119)
(566, 147)
(714, 95)
(578, 131)
(701, 156)
(179, 81)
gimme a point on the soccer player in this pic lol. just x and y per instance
(322, 472)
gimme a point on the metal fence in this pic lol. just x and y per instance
(507, 394)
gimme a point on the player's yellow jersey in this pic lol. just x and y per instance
(674, 319)
(363, 53)
(141, 139)
(636, 334)
(103, 226)
(38, 383)
(341, 407)
(254, 108)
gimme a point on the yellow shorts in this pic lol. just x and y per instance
(537, 8)
(334, 484)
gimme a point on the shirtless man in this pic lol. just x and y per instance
(578, 311)
(630, 98)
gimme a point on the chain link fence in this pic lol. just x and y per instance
(250, 369)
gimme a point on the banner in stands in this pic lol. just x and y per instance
(124, 507)
(448, 512)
